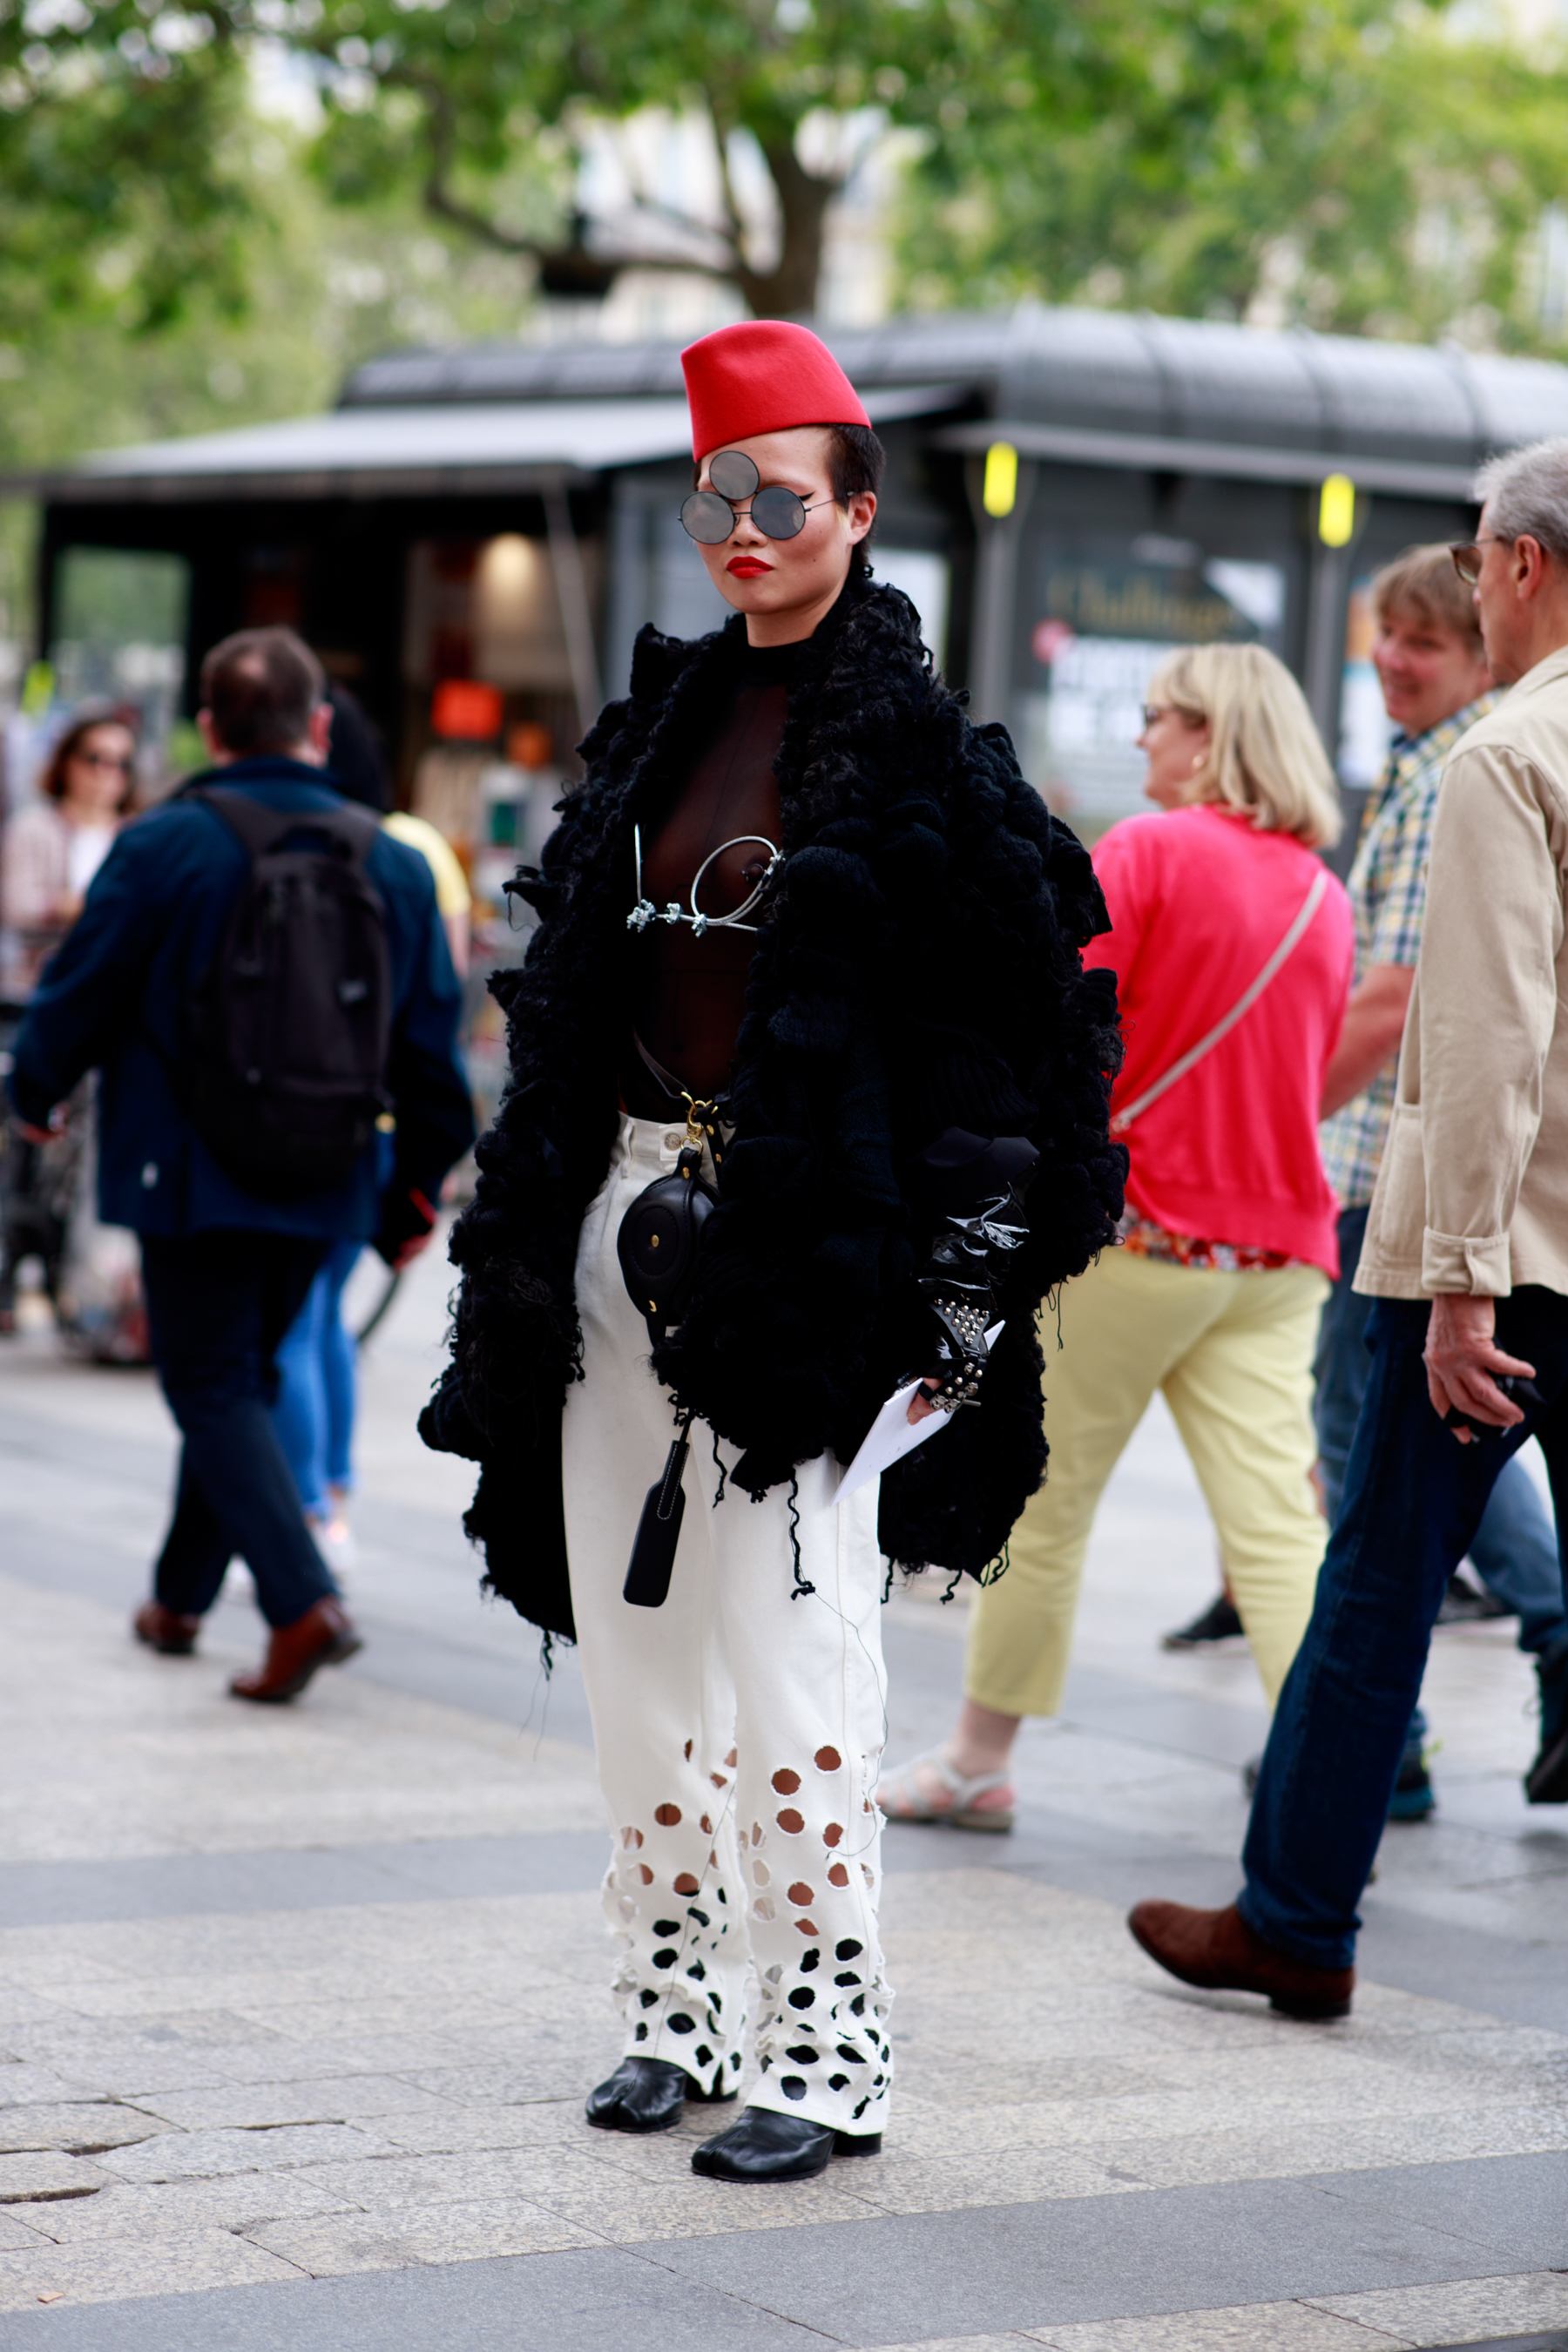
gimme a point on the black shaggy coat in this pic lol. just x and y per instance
(921, 970)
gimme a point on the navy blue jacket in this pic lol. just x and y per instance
(114, 998)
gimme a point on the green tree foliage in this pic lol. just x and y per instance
(1359, 164)
(168, 261)
(118, 179)
(1356, 166)
(448, 98)
(323, 290)
(168, 264)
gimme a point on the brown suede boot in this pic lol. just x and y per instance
(1218, 1951)
(166, 1630)
(324, 1636)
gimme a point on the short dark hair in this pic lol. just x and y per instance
(856, 461)
(355, 762)
(259, 687)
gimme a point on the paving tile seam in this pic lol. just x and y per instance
(1348, 2319)
(1553, 1869)
(643, 2250)
(644, 2254)
(361, 1854)
(1050, 2337)
(872, 2211)
(1382, 2334)
(1318, 2177)
(1047, 2334)
(1460, 2236)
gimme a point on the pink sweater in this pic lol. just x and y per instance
(1199, 901)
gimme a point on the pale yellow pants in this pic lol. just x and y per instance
(1232, 1354)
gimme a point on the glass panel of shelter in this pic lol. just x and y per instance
(1116, 569)
(119, 638)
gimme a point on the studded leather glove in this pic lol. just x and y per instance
(979, 1188)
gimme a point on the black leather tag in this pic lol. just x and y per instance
(658, 1533)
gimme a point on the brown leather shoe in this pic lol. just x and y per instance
(166, 1630)
(324, 1636)
(1218, 1950)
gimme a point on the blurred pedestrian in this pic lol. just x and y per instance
(1466, 1255)
(317, 1401)
(1231, 943)
(51, 850)
(53, 844)
(357, 767)
(453, 897)
(245, 1057)
(1432, 665)
(316, 1360)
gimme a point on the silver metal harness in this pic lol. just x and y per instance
(645, 912)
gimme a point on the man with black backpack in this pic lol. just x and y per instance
(261, 975)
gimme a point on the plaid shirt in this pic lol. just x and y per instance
(1387, 889)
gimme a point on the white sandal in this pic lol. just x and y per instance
(901, 1797)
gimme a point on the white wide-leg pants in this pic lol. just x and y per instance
(738, 1730)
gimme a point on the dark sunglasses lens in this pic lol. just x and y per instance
(708, 520)
(778, 513)
(732, 473)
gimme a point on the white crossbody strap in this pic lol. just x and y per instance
(1243, 1005)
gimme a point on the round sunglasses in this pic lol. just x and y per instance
(710, 515)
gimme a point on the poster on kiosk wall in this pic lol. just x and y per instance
(1107, 611)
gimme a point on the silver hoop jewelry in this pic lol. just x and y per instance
(645, 912)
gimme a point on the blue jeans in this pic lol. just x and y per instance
(1514, 1550)
(217, 1306)
(1413, 1501)
(315, 1414)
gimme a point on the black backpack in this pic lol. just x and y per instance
(291, 1021)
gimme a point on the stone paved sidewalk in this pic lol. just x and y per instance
(297, 2009)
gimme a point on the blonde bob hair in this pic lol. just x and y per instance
(1265, 756)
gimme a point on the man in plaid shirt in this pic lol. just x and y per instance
(1436, 684)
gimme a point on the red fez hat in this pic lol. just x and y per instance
(764, 375)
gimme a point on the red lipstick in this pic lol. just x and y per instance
(746, 567)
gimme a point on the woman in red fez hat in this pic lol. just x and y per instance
(804, 1021)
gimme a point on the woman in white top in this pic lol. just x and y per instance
(54, 845)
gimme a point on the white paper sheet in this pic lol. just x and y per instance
(893, 1434)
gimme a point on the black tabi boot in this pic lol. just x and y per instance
(762, 2145)
(1546, 1783)
(646, 2094)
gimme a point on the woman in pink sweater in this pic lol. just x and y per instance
(1228, 1243)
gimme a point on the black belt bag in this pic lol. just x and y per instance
(658, 1240)
(660, 1236)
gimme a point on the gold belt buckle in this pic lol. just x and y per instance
(702, 1127)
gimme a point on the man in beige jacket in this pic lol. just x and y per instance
(1467, 1254)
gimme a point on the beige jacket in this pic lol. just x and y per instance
(1473, 1192)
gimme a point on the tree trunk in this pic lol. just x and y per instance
(789, 289)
